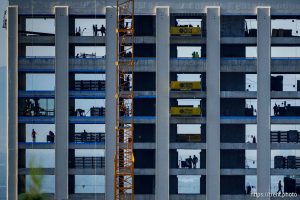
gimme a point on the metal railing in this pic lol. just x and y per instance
(89, 162)
(85, 137)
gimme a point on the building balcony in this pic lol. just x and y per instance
(152, 94)
(186, 40)
(97, 65)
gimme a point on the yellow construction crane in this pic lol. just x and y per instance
(124, 158)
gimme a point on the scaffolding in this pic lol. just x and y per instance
(124, 158)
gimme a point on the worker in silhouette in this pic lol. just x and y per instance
(51, 136)
(279, 188)
(254, 139)
(102, 30)
(194, 54)
(275, 108)
(189, 161)
(94, 30)
(195, 161)
(79, 112)
(33, 135)
(248, 190)
(36, 107)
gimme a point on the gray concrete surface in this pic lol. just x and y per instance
(162, 103)
(229, 7)
(12, 66)
(110, 103)
(263, 100)
(213, 104)
(61, 103)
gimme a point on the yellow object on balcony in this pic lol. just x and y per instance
(185, 111)
(180, 30)
(186, 85)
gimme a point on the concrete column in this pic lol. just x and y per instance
(162, 103)
(61, 102)
(110, 105)
(263, 99)
(213, 104)
(12, 66)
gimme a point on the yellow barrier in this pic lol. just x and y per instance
(188, 137)
(186, 85)
(185, 111)
(178, 30)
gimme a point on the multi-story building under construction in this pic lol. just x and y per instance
(209, 82)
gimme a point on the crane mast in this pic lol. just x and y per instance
(124, 158)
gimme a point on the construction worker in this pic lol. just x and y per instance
(189, 161)
(195, 161)
(248, 190)
(275, 108)
(79, 112)
(94, 30)
(33, 135)
(254, 139)
(52, 136)
(102, 30)
(36, 107)
(194, 54)
(279, 187)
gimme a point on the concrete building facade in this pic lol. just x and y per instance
(222, 65)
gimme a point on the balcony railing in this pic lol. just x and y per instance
(89, 162)
(85, 137)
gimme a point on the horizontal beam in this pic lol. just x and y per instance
(146, 7)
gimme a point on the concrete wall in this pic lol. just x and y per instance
(144, 25)
(61, 103)
(144, 133)
(232, 159)
(144, 107)
(144, 184)
(141, 154)
(12, 67)
(233, 133)
(3, 134)
(3, 110)
(144, 81)
(162, 103)
(232, 184)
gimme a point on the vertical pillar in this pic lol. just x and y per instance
(110, 105)
(12, 66)
(61, 102)
(213, 104)
(162, 103)
(263, 99)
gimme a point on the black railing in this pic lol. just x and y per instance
(291, 136)
(89, 137)
(89, 162)
(289, 162)
(96, 85)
